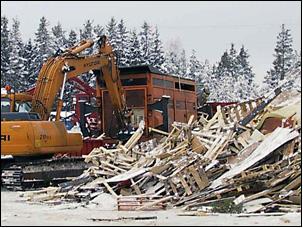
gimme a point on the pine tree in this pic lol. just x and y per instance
(156, 56)
(42, 43)
(245, 85)
(215, 85)
(205, 78)
(5, 51)
(98, 30)
(172, 65)
(183, 65)
(133, 56)
(224, 75)
(42, 39)
(16, 68)
(283, 59)
(72, 39)
(29, 56)
(194, 67)
(295, 82)
(122, 44)
(145, 43)
(87, 33)
(233, 67)
(59, 40)
(111, 32)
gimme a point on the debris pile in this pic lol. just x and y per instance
(197, 165)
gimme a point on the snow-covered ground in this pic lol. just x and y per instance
(15, 211)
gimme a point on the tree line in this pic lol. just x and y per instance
(230, 79)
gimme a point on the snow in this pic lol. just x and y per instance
(64, 114)
(3, 91)
(75, 129)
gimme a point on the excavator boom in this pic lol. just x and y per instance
(68, 65)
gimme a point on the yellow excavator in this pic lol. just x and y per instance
(29, 140)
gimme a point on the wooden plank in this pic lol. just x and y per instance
(197, 146)
(293, 184)
(229, 115)
(261, 194)
(158, 131)
(191, 119)
(148, 205)
(110, 189)
(250, 106)
(214, 144)
(135, 186)
(276, 139)
(123, 148)
(212, 121)
(197, 178)
(289, 149)
(173, 187)
(185, 185)
(220, 117)
(236, 110)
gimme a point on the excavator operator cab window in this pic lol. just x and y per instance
(22, 106)
(5, 105)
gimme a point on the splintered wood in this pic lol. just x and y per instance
(197, 163)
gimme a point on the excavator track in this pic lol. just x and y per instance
(20, 176)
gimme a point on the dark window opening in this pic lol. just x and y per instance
(128, 82)
(134, 81)
(184, 86)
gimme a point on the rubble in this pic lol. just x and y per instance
(196, 164)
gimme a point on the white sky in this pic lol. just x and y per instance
(207, 27)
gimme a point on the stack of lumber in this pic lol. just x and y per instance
(198, 163)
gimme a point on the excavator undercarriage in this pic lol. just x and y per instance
(31, 174)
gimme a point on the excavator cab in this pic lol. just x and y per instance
(15, 102)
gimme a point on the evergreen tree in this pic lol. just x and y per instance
(42, 40)
(5, 51)
(145, 43)
(29, 56)
(133, 56)
(42, 44)
(283, 59)
(16, 72)
(295, 72)
(205, 78)
(172, 58)
(122, 43)
(111, 32)
(98, 30)
(72, 39)
(59, 39)
(183, 64)
(156, 56)
(246, 86)
(225, 77)
(194, 67)
(85, 34)
(233, 67)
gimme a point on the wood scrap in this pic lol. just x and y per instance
(197, 162)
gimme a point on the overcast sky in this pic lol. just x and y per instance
(207, 27)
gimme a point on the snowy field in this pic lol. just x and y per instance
(16, 212)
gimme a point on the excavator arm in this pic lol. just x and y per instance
(69, 64)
